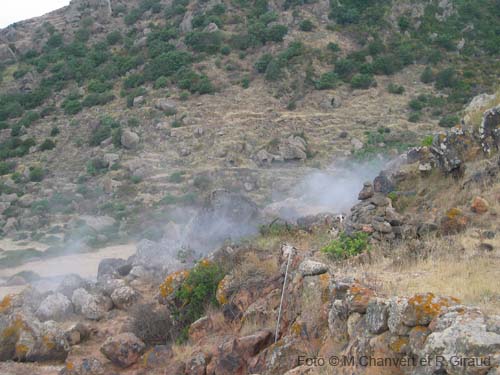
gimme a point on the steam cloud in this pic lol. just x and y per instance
(332, 190)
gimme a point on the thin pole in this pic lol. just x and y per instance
(282, 296)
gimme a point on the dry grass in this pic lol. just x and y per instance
(183, 352)
(453, 266)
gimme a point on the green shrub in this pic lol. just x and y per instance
(177, 177)
(427, 76)
(362, 81)
(415, 116)
(427, 141)
(345, 67)
(103, 131)
(196, 293)
(48, 144)
(114, 37)
(225, 50)
(275, 33)
(376, 47)
(6, 167)
(204, 41)
(166, 64)
(96, 166)
(40, 207)
(334, 47)
(72, 107)
(96, 86)
(446, 78)
(36, 174)
(347, 246)
(133, 81)
(55, 41)
(29, 118)
(449, 121)
(306, 25)
(386, 64)
(245, 82)
(116, 137)
(92, 100)
(395, 89)
(274, 70)
(404, 23)
(202, 182)
(136, 179)
(21, 72)
(82, 35)
(132, 17)
(416, 104)
(327, 81)
(263, 62)
(160, 83)
(177, 123)
(194, 82)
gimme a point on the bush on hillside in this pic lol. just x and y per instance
(347, 246)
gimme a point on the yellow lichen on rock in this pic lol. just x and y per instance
(222, 294)
(171, 281)
(6, 303)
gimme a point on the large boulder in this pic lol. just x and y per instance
(489, 130)
(234, 354)
(462, 332)
(377, 314)
(312, 268)
(293, 148)
(422, 308)
(129, 139)
(70, 283)
(55, 307)
(110, 267)
(166, 105)
(124, 297)
(24, 338)
(124, 349)
(157, 255)
(93, 307)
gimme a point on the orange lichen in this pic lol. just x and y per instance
(429, 305)
(145, 358)
(296, 329)
(21, 350)
(220, 294)
(168, 286)
(70, 366)
(48, 342)
(6, 303)
(324, 281)
(420, 329)
(205, 263)
(13, 330)
(399, 344)
(453, 213)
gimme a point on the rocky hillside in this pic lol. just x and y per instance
(329, 294)
(113, 112)
(251, 187)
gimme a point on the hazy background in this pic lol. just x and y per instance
(17, 10)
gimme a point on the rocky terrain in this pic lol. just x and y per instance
(251, 188)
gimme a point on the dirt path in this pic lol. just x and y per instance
(84, 265)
